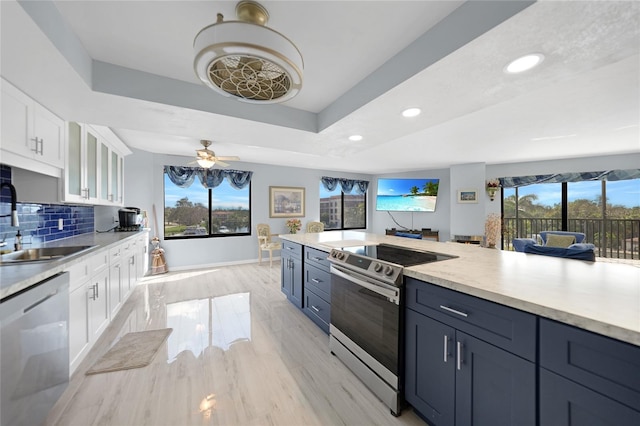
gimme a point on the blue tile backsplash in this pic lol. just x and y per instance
(39, 222)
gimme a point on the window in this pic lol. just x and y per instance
(197, 212)
(342, 211)
(607, 212)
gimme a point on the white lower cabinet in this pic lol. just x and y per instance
(98, 288)
(116, 291)
(79, 337)
(98, 302)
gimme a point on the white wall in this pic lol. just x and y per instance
(144, 189)
(467, 218)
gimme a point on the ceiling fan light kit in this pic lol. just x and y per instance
(247, 60)
(206, 158)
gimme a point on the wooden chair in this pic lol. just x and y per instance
(315, 227)
(265, 243)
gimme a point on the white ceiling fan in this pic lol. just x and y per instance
(207, 158)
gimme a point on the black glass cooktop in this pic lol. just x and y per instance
(399, 255)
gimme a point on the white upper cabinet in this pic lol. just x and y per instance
(94, 168)
(32, 136)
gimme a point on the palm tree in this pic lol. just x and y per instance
(414, 190)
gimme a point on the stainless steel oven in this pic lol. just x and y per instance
(366, 314)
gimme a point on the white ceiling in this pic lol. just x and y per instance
(128, 65)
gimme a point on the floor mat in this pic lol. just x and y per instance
(133, 350)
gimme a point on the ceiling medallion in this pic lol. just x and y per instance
(247, 60)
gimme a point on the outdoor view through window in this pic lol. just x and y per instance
(607, 212)
(199, 212)
(342, 211)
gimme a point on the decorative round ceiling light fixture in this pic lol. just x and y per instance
(247, 60)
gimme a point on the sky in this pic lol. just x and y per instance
(623, 192)
(224, 196)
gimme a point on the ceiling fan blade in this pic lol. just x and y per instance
(221, 163)
(231, 158)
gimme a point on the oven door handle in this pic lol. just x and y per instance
(391, 295)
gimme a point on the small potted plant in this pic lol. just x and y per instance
(293, 225)
(492, 187)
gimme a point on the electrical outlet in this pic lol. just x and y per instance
(60, 224)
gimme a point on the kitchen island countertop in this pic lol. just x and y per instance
(601, 297)
(17, 277)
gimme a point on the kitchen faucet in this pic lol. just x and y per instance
(14, 198)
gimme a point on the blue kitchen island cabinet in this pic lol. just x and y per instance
(291, 270)
(317, 287)
(587, 379)
(468, 361)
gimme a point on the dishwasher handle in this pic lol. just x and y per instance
(44, 299)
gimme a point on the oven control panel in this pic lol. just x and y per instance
(385, 271)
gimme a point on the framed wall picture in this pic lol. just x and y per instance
(285, 201)
(467, 196)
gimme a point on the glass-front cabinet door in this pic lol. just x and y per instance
(115, 193)
(92, 165)
(75, 163)
(93, 168)
(104, 172)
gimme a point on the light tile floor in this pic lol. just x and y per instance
(239, 354)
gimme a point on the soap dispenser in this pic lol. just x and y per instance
(18, 241)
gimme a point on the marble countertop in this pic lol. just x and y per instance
(597, 296)
(17, 277)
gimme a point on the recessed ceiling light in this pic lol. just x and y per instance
(411, 112)
(355, 138)
(524, 63)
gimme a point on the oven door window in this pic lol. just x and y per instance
(369, 319)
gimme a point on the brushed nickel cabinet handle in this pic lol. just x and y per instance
(459, 355)
(454, 311)
(446, 348)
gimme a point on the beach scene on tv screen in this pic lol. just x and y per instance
(415, 195)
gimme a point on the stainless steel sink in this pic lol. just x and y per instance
(44, 254)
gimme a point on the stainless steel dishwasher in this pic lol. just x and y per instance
(34, 351)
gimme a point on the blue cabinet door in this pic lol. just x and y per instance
(296, 282)
(566, 403)
(493, 386)
(285, 275)
(430, 368)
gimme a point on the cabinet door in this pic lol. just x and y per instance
(118, 269)
(98, 304)
(493, 386)
(104, 172)
(92, 162)
(74, 170)
(430, 368)
(17, 121)
(566, 403)
(286, 276)
(49, 129)
(114, 174)
(296, 282)
(78, 323)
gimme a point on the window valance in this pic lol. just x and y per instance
(183, 177)
(347, 185)
(610, 175)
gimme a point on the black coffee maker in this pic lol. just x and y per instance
(128, 218)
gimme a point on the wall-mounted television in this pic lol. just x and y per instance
(407, 195)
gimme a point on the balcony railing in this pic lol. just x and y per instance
(613, 238)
